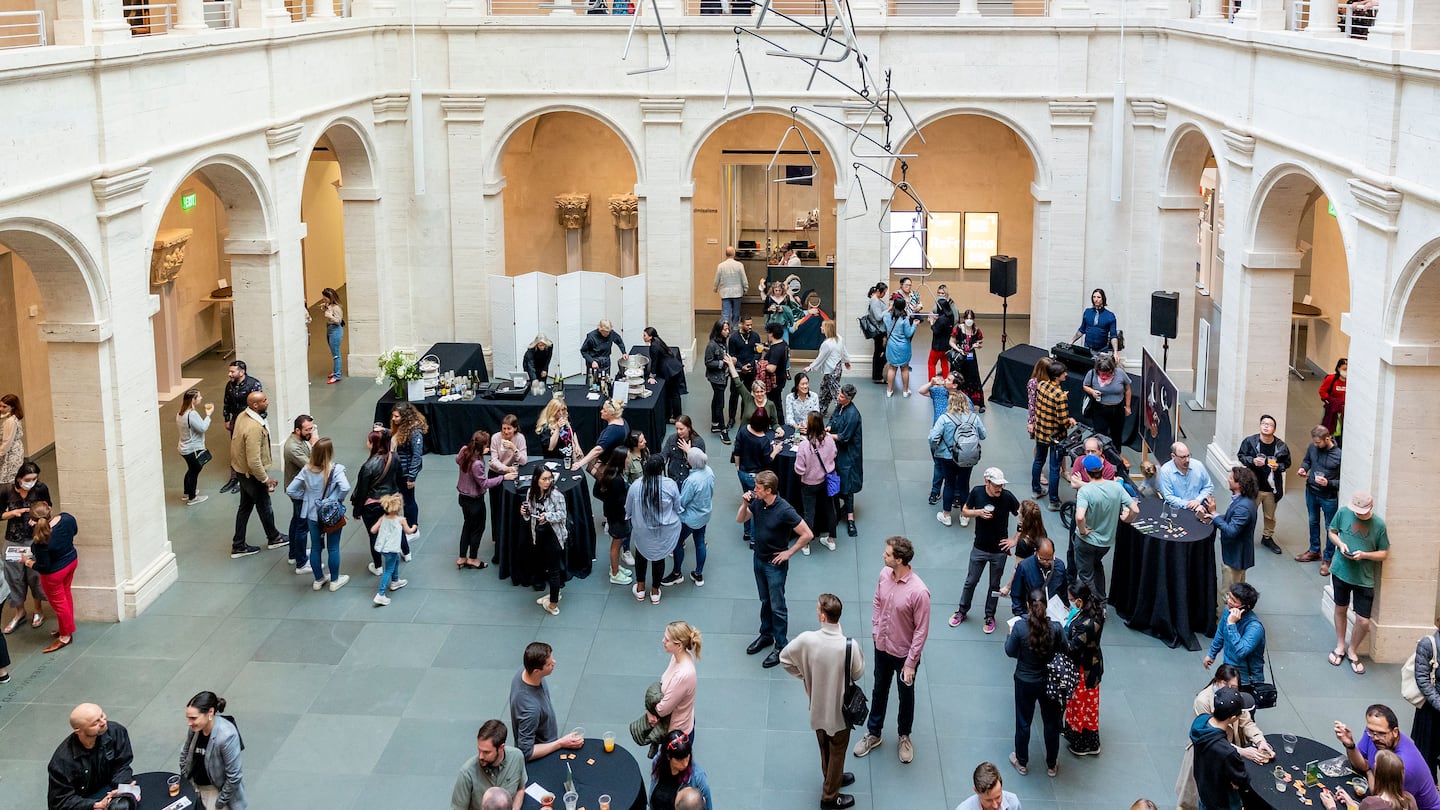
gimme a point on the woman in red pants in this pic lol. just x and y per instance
(52, 556)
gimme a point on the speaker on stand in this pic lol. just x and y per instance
(1164, 323)
(1003, 281)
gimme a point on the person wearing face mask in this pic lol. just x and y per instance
(1332, 396)
(966, 340)
(250, 460)
(1098, 326)
(1108, 386)
(24, 492)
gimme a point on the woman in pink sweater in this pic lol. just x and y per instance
(678, 683)
(814, 458)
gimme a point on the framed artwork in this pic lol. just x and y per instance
(981, 239)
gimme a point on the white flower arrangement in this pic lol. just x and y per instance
(397, 367)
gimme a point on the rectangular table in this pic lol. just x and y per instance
(1012, 372)
(452, 423)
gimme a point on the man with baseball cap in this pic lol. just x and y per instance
(1360, 545)
(1099, 509)
(1220, 776)
(990, 504)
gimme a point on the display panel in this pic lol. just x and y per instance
(982, 239)
(907, 240)
(942, 241)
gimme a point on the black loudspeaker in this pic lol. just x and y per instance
(1164, 313)
(1002, 275)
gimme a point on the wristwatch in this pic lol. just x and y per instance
(1350, 747)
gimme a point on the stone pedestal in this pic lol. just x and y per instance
(1324, 20)
(625, 208)
(574, 213)
(166, 262)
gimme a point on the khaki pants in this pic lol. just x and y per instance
(1228, 576)
(833, 748)
(1267, 508)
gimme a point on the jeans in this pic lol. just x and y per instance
(392, 565)
(1027, 694)
(937, 477)
(57, 592)
(192, 472)
(730, 309)
(978, 560)
(321, 541)
(473, 529)
(370, 515)
(254, 497)
(412, 509)
(747, 483)
(717, 406)
(774, 617)
(889, 666)
(1090, 565)
(957, 483)
(699, 535)
(1041, 449)
(333, 333)
(297, 533)
(1315, 504)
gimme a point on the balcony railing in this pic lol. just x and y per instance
(986, 8)
(220, 13)
(1354, 22)
(540, 8)
(149, 19)
(22, 29)
(301, 10)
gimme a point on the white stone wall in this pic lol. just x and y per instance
(1359, 121)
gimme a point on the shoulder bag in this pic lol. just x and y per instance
(853, 706)
(1266, 694)
(870, 327)
(1409, 687)
(329, 512)
(203, 457)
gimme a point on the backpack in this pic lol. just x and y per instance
(1062, 676)
(1409, 687)
(965, 442)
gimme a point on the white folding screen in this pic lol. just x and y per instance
(565, 308)
(502, 327)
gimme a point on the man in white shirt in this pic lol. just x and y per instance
(730, 283)
(1184, 484)
(990, 793)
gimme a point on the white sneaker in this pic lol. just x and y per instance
(964, 521)
(828, 542)
(317, 585)
(339, 583)
(375, 569)
(907, 394)
(304, 569)
(943, 518)
(624, 577)
(806, 550)
(553, 608)
(406, 557)
(627, 559)
(889, 393)
(381, 599)
(397, 584)
(197, 499)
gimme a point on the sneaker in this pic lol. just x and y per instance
(850, 528)
(724, 437)
(317, 585)
(867, 744)
(674, 579)
(889, 393)
(627, 559)
(907, 394)
(639, 593)
(989, 625)
(381, 600)
(934, 498)
(1054, 506)
(964, 521)
(337, 584)
(243, 551)
(397, 584)
(1015, 762)
(943, 518)
(806, 550)
(624, 577)
(697, 578)
(375, 569)
(828, 542)
(278, 541)
(655, 598)
(304, 569)
(197, 499)
(907, 751)
(406, 557)
(553, 608)
(957, 618)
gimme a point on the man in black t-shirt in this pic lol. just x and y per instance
(777, 361)
(991, 505)
(775, 522)
(744, 346)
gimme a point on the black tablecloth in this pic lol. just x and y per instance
(1262, 792)
(784, 467)
(615, 773)
(155, 793)
(1012, 373)
(452, 423)
(519, 559)
(1166, 587)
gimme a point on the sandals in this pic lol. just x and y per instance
(1336, 657)
(14, 623)
(1015, 762)
(1356, 666)
(37, 621)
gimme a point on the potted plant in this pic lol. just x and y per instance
(400, 368)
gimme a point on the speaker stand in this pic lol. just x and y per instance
(1165, 367)
(1004, 337)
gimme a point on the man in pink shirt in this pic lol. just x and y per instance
(1078, 476)
(900, 624)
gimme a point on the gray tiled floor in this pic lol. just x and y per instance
(347, 706)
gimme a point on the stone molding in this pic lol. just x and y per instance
(1072, 113)
(467, 109)
(284, 140)
(662, 110)
(120, 193)
(1148, 113)
(95, 332)
(1239, 148)
(391, 109)
(1379, 207)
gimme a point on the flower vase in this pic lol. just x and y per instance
(397, 387)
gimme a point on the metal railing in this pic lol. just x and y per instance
(149, 19)
(987, 8)
(22, 29)
(301, 10)
(544, 8)
(220, 13)
(1354, 22)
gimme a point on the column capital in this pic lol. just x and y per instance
(1240, 148)
(466, 109)
(351, 194)
(1379, 207)
(1287, 260)
(57, 332)
(284, 140)
(1148, 113)
(662, 110)
(1071, 113)
(391, 109)
(119, 193)
(1178, 202)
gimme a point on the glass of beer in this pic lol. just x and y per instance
(1273, 462)
(609, 742)
(173, 785)
(1279, 779)
(605, 801)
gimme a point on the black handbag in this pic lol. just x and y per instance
(1265, 694)
(203, 457)
(853, 707)
(870, 327)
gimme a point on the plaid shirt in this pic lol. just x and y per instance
(1052, 411)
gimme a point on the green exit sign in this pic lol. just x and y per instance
(187, 201)
(1332, 210)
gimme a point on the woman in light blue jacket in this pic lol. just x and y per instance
(653, 508)
(899, 330)
(210, 757)
(317, 481)
(192, 440)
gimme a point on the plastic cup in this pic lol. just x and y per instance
(1288, 740)
(173, 785)
(572, 800)
(578, 731)
(609, 742)
(605, 801)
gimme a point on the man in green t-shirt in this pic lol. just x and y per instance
(1099, 508)
(1361, 543)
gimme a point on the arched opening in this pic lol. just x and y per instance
(572, 154)
(25, 369)
(1192, 259)
(741, 200)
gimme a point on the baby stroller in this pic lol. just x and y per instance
(1074, 447)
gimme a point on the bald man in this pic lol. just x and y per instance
(250, 459)
(90, 763)
(497, 798)
(1185, 484)
(730, 283)
(689, 799)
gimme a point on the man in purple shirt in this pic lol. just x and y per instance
(899, 623)
(1382, 731)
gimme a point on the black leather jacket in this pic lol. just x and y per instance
(80, 775)
(237, 393)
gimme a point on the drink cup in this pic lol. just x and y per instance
(1288, 740)
(609, 742)
(605, 801)
(548, 800)
(173, 785)
(578, 731)
(572, 800)
(1273, 462)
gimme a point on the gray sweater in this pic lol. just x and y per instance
(192, 431)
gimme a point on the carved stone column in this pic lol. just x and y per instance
(625, 208)
(1058, 291)
(574, 213)
(166, 261)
